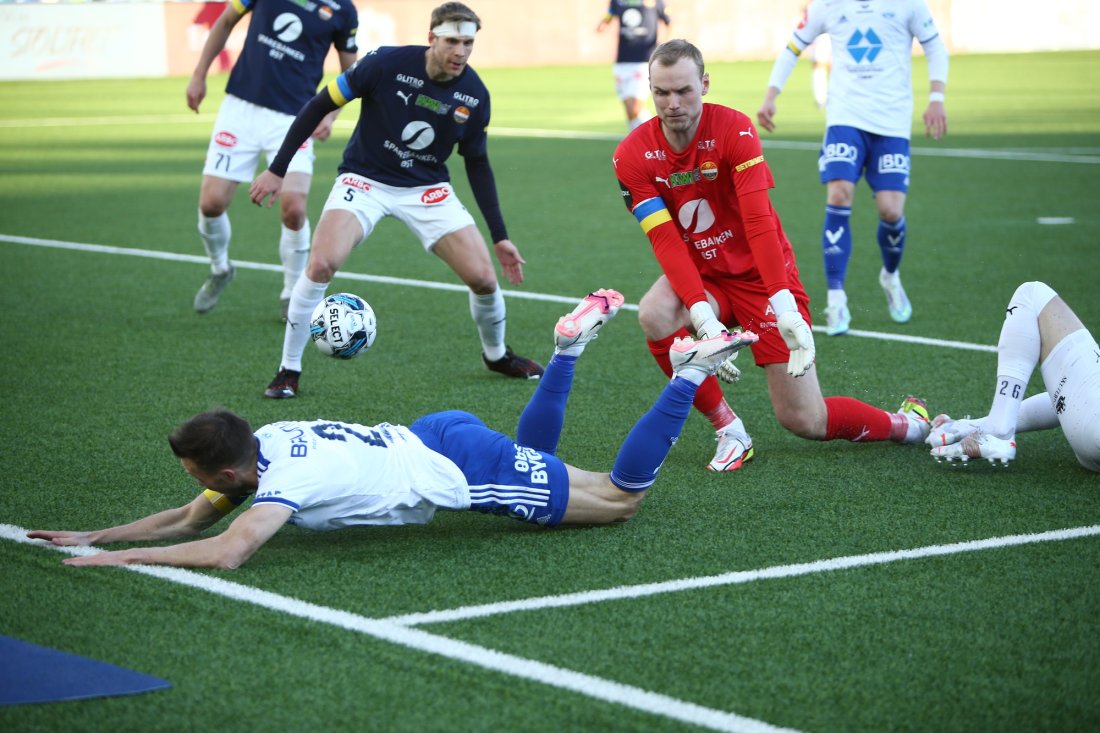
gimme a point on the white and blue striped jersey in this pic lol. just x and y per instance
(870, 86)
(334, 474)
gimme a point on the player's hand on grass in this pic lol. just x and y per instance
(62, 538)
(100, 559)
(266, 184)
(511, 263)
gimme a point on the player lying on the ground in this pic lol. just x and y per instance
(1039, 329)
(326, 474)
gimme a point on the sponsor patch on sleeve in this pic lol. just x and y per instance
(749, 163)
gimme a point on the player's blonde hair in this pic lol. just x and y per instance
(669, 52)
(454, 13)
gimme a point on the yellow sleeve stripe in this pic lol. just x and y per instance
(220, 501)
(749, 163)
(339, 90)
(793, 48)
(239, 7)
(655, 219)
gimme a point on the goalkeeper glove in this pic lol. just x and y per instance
(795, 332)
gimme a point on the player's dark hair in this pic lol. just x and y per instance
(456, 12)
(669, 52)
(214, 440)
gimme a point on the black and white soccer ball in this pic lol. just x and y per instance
(343, 326)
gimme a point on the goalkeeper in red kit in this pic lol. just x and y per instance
(696, 180)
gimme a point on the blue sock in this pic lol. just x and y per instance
(891, 240)
(541, 421)
(652, 437)
(836, 244)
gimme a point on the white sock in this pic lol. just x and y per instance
(294, 253)
(303, 299)
(837, 297)
(737, 427)
(1036, 413)
(695, 376)
(489, 315)
(1018, 350)
(215, 233)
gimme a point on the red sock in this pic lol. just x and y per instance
(850, 419)
(709, 399)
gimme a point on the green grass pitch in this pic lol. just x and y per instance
(102, 356)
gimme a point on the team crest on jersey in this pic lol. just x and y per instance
(325, 12)
(226, 139)
(461, 114)
(709, 170)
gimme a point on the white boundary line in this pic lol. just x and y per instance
(1087, 156)
(428, 284)
(406, 636)
(399, 629)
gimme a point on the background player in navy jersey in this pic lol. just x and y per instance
(637, 39)
(278, 71)
(868, 118)
(417, 104)
(696, 180)
(324, 475)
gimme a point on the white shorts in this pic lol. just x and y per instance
(430, 212)
(1071, 373)
(241, 132)
(631, 80)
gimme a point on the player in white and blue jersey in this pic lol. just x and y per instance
(328, 474)
(638, 21)
(417, 105)
(278, 71)
(868, 124)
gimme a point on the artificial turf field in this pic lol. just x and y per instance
(825, 587)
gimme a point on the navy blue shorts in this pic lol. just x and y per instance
(504, 478)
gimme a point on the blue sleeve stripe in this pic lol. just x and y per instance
(648, 207)
(275, 500)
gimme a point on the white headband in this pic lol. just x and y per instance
(452, 29)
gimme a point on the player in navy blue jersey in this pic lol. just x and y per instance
(417, 104)
(637, 39)
(278, 71)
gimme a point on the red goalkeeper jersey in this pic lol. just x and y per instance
(706, 210)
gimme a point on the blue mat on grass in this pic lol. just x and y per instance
(30, 673)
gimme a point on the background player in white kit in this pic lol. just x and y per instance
(325, 475)
(868, 123)
(1039, 330)
(266, 88)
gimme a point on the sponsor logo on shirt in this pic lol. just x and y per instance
(696, 216)
(467, 100)
(683, 178)
(707, 145)
(433, 105)
(226, 139)
(435, 195)
(749, 163)
(412, 81)
(655, 155)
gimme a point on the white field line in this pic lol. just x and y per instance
(397, 629)
(454, 287)
(548, 674)
(740, 577)
(1084, 155)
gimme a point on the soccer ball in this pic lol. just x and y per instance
(343, 326)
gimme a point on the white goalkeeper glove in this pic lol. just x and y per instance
(795, 332)
(706, 326)
(703, 320)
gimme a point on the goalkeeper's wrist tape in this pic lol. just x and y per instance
(935, 96)
(783, 302)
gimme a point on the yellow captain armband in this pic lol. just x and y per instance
(221, 502)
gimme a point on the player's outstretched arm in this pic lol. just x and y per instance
(230, 549)
(185, 521)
